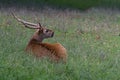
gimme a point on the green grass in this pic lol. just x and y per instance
(88, 58)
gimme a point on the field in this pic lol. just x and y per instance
(92, 39)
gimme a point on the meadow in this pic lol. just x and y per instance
(92, 40)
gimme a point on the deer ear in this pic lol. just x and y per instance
(39, 26)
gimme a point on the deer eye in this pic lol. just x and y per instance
(46, 30)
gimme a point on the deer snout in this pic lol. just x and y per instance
(52, 34)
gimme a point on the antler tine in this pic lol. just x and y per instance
(26, 24)
(39, 24)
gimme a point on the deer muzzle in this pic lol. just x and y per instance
(52, 34)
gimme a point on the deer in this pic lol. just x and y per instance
(55, 51)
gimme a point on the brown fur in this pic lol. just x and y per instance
(54, 51)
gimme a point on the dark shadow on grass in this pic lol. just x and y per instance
(40, 4)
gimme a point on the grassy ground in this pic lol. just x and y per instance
(91, 39)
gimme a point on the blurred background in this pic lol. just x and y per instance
(72, 4)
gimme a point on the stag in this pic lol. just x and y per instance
(55, 51)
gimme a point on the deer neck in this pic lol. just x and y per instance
(33, 42)
(36, 40)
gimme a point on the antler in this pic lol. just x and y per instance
(28, 24)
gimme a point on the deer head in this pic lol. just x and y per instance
(41, 32)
